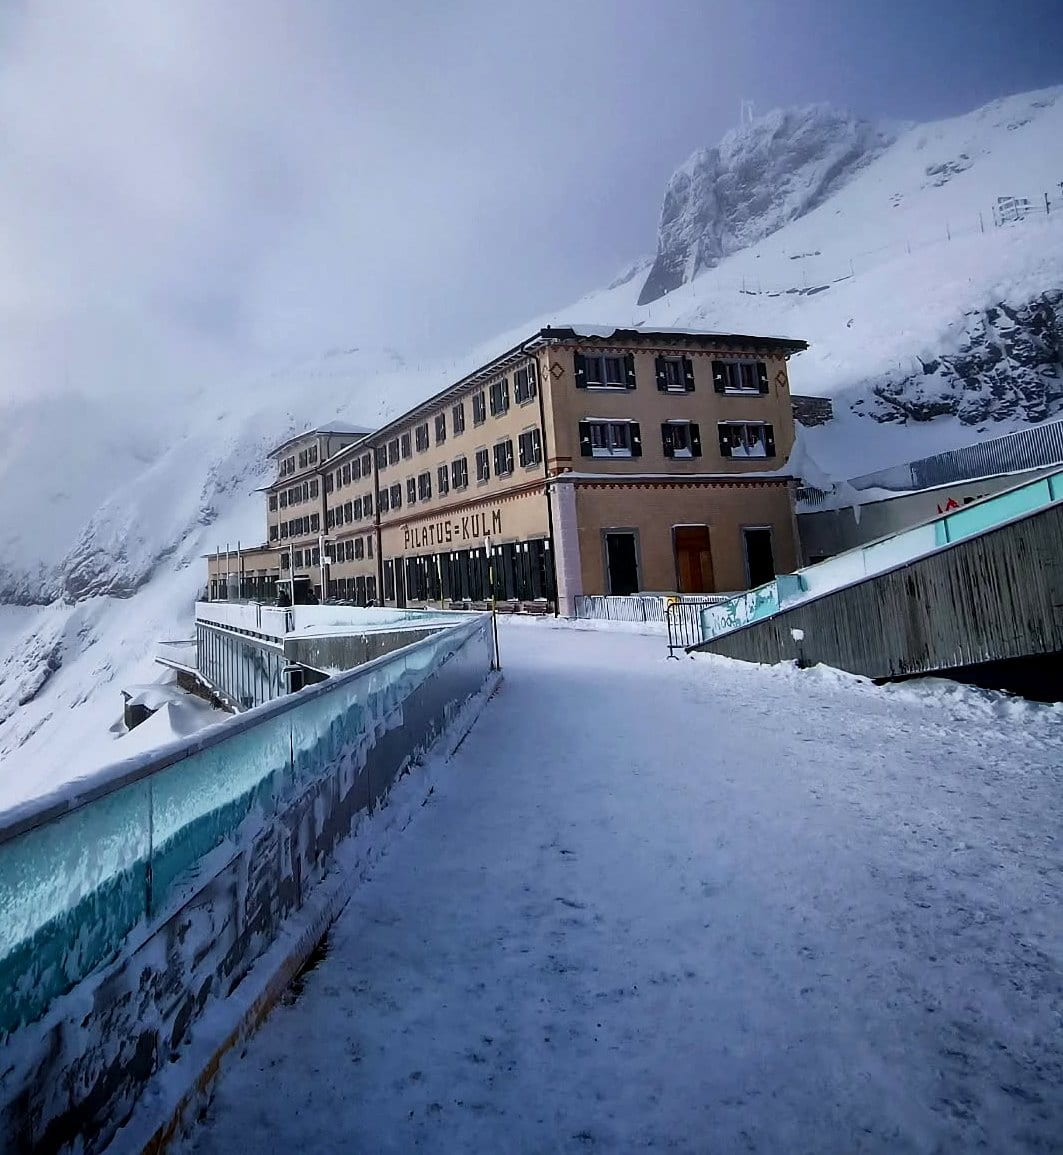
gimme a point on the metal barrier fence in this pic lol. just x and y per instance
(634, 607)
(684, 622)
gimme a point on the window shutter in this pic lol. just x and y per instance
(725, 447)
(636, 438)
(585, 446)
(662, 380)
(629, 369)
(769, 441)
(719, 376)
(688, 374)
(762, 376)
(522, 449)
(666, 439)
(695, 439)
(581, 372)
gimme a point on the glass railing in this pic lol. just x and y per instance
(79, 870)
(879, 556)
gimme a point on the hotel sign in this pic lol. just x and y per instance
(469, 527)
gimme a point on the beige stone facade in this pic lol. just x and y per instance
(578, 462)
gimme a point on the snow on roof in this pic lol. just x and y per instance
(341, 427)
(639, 331)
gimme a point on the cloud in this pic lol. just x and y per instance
(195, 190)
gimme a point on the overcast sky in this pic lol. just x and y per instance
(189, 188)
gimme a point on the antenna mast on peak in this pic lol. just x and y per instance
(746, 114)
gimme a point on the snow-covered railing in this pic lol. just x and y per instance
(81, 868)
(283, 621)
(877, 557)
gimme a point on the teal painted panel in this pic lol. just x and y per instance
(70, 891)
(995, 511)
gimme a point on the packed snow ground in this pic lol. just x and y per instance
(689, 906)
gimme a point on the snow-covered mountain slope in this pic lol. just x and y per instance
(911, 309)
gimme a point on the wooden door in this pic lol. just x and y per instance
(693, 559)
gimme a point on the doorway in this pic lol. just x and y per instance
(400, 582)
(621, 561)
(693, 559)
(760, 558)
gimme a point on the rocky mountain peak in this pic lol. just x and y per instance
(761, 175)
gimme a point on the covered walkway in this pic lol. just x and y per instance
(689, 906)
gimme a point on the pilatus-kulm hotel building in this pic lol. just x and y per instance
(582, 461)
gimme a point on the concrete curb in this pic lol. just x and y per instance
(165, 1108)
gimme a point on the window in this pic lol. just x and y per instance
(298, 559)
(359, 549)
(459, 472)
(347, 474)
(357, 509)
(305, 491)
(367, 505)
(740, 376)
(457, 418)
(396, 496)
(746, 439)
(328, 482)
(479, 409)
(273, 533)
(530, 447)
(443, 478)
(503, 458)
(384, 503)
(330, 518)
(272, 501)
(499, 397)
(284, 499)
(314, 488)
(367, 464)
(381, 457)
(315, 523)
(441, 428)
(421, 435)
(393, 451)
(524, 383)
(312, 457)
(605, 371)
(610, 439)
(407, 445)
(411, 490)
(483, 466)
(348, 512)
(369, 547)
(681, 439)
(302, 459)
(356, 469)
(424, 486)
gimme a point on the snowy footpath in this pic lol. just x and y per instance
(693, 906)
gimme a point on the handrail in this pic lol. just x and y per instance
(883, 555)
